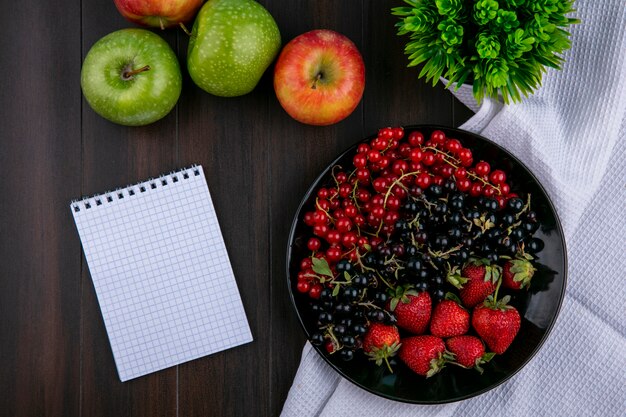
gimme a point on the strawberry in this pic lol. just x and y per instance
(481, 281)
(496, 323)
(425, 355)
(381, 342)
(412, 309)
(518, 272)
(449, 318)
(469, 352)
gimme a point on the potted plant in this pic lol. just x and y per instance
(501, 47)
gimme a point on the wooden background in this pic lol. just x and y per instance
(56, 358)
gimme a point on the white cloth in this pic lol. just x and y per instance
(571, 133)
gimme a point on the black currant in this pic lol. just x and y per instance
(535, 245)
(317, 339)
(346, 354)
(515, 204)
(344, 266)
(340, 329)
(325, 317)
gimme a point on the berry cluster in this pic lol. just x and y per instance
(411, 221)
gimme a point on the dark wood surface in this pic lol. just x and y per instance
(56, 358)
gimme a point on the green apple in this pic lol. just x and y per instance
(231, 45)
(131, 77)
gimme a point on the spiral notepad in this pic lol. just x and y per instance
(161, 272)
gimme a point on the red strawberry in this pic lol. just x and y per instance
(481, 282)
(496, 323)
(469, 352)
(381, 342)
(449, 318)
(518, 272)
(412, 309)
(425, 355)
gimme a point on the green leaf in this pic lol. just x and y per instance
(347, 276)
(393, 304)
(336, 290)
(320, 266)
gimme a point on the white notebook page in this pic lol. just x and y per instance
(161, 273)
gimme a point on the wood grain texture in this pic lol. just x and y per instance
(40, 173)
(114, 156)
(56, 356)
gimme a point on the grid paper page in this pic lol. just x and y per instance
(161, 273)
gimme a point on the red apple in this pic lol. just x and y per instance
(319, 77)
(158, 13)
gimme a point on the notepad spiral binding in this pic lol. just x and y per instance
(131, 190)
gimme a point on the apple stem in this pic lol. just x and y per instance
(127, 74)
(317, 78)
(184, 28)
(161, 24)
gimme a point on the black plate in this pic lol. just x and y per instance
(538, 307)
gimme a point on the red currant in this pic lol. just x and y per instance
(398, 192)
(314, 244)
(363, 175)
(416, 155)
(359, 160)
(400, 167)
(463, 184)
(447, 170)
(344, 190)
(378, 200)
(384, 162)
(391, 217)
(319, 217)
(404, 150)
(453, 146)
(303, 286)
(460, 173)
(374, 156)
(497, 177)
(349, 239)
(344, 225)
(380, 184)
(359, 220)
(320, 230)
(362, 148)
(333, 253)
(329, 346)
(438, 137)
(393, 203)
(333, 237)
(438, 180)
(380, 144)
(363, 195)
(377, 212)
(476, 189)
(322, 193)
(416, 138)
(386, 132)
(422, 180)
(428, 158)
(465, 156)
(505, 189)
(309, 218)
(306, 263)
(350, 210)
(398, 133)
(338, 214)
(315, 291)
(482, 168)
(489, 191)
(375, 242)
(323, 205)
